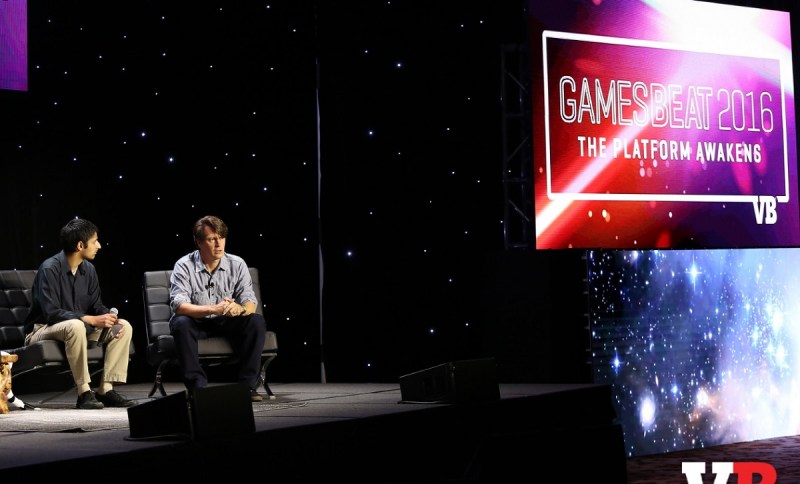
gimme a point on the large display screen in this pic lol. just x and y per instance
(662, 124)
(702, 347)
(14, 45)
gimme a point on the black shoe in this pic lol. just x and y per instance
(113, 399)
(87, 401)
(254, 396)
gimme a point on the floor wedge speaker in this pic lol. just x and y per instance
(453, 382)
(215, 411)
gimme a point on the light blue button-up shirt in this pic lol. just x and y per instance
(191, 282)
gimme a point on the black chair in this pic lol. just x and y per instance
(15, 302)
(213, 351)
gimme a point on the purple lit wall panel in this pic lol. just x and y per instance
(14, 45)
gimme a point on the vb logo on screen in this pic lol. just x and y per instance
(746, 472)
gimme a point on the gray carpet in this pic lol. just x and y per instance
(61, 417)
(64, 420)
(310, 432)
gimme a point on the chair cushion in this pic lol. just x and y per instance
(45, 354)
(15, 301)
(161, 346)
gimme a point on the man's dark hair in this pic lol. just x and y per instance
(215, 223)
(76, 230)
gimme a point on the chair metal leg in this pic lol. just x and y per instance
(263, 379)
(157, 384)
(268, 390)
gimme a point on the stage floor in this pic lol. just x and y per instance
(357, 431)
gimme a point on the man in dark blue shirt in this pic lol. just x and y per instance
(66, 306)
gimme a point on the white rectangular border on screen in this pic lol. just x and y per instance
(646, 197)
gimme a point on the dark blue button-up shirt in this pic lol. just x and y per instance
(58, 295)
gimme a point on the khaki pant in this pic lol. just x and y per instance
(74, 335)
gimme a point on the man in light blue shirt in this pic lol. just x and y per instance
(211, 292)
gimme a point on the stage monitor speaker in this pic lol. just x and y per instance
(453, 382)
(215, 411)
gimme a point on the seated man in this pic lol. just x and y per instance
(66, 306)
(211, 291)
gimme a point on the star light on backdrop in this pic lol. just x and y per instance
(701, 346)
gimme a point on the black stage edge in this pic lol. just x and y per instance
(510, 439)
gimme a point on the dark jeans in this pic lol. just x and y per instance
(246, 334)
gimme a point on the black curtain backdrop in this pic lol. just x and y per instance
(143, 116)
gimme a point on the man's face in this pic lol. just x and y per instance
(212, 247)
(89, 250)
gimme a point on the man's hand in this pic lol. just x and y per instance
(232, 308)
(101, 321)
(220, 308)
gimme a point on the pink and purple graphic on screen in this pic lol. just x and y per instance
(14, 45)
(655, 127)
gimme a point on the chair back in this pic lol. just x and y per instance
(156, 300)
(15, 302)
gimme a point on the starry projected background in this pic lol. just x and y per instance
(355, 139)
(700, 346)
